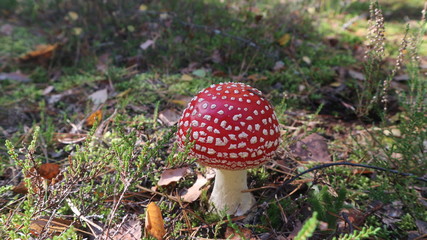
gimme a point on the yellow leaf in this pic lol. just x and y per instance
(179, 102)
(94, 117)
(131, 28)
(124, 93)
(186, 77)
(143, 7)
(77, 31)
(335, 84)
(306, 60)
(154, 224)
(73, 15)
(283, 40)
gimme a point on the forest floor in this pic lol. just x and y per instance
(91, 91)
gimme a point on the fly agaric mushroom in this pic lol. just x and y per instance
(233, 128)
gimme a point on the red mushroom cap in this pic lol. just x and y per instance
(233, 126)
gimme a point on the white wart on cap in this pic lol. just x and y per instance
(233, 126)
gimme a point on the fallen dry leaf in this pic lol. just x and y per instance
(311, 148)
(73, 15)
(147, 44)
(15, 76)
(154, 224)
(199, 73)
(403, 77)
(172, 175)
(356, 75)
(186, 77)
(335, 84)
(210, 173)
(56, 226)
(182, 100)
(219, 73)
(143, 7)
(257, 77)
(41, 53)
(392, 131)
(99, 97)
(306, 60)
(279, 65)
(243, 233)
(48, 170)
(69, 138)
(57, 97)
(169, 116)
(48, 90)
(77, 31)
(284, 39)
(129, 230)
(103, 62)
(194, 192)
(20, 188)
(94, 118)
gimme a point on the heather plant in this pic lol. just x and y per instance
(327, 206)
(363, 233)
(370, 93)
(374, 93)
(401, 145)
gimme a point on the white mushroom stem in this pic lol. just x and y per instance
(227, 192)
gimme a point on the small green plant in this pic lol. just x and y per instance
(85, 176)
(274, 212)
(308, 228)
(364, 233)
(327, 206)
(235, 227)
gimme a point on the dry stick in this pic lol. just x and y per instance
(347, 164)
(83, 218)
(347, 220)
(353, 20)
(116, 205)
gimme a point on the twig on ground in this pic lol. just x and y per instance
(117, 203)
(353, 20)
(347, 220)
(83, 218)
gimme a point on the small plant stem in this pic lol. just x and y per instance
(83, 218)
